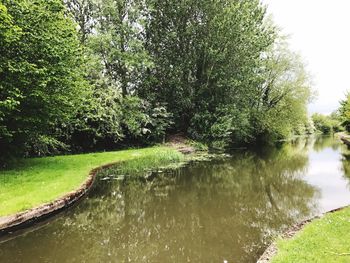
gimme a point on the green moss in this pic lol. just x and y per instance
(40, 180)
(323, 240)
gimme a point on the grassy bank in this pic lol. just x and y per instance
(323, 240)
(40, 180)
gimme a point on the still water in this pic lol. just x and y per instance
(227, 209)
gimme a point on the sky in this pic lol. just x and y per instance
(320, 31)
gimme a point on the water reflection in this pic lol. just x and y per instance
(346, 163)
(226, 209)
(323, 142)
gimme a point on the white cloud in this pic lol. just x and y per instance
(319, 30)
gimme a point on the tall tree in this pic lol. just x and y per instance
(40, 72)
(9, 97)
(344, 112)
(282, 99)
(173, 39)
(206, 56)
(119, 42)
(82, 12)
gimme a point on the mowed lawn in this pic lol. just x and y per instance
(324, 240)
(36, 181)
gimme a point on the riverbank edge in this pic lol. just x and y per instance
(25, 219)
(29, 217)
(345, 139)
(272, 250)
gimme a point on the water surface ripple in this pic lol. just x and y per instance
(222, 210)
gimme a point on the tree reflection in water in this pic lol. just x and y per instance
(226, 209)
(346, 161)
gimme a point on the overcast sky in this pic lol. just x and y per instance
(320, 31)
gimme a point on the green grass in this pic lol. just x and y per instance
(323, 240)
(198, 146)
(40, 180)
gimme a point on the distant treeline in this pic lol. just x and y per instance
(337, 121)
(87, 75)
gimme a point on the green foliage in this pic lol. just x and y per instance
(326, 124)
(135, 117)
(97, 122)
(41, 80)
(306, 128)
(9, 33)
(43, 180)
(310, 126)
(232, 125)
(281, 106)
(106, 119)
(205, 57)
(82, 12)
(46, 145)
(344, 112)
(198, 146)
(274, 108)
(322, 123)
(142, 120)
(232, 84)
(160, 122)
(128, 71)
(118, 42)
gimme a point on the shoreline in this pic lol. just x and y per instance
(272, 249)
(22, 220)
(25, 219)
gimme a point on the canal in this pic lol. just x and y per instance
(226, 209)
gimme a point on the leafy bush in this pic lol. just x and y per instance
(232, 126)
(310, 126)
(344, 113)
(326, 124)
(144, 122)
(97, 123)
(45, 145)
(40, 71)
(106, 120)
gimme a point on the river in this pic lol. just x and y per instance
(224, 210)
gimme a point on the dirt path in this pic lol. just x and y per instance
(180, 143)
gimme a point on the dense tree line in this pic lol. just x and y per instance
(327, 124)
(82, 75)
(342, 115)
(337, 121)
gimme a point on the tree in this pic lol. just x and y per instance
(205, 58)
(119, 42)
(83, 14)
(128, 71)
(327, 124)
(9, 99)
(344, 112)
(41, 80)
(281, 103)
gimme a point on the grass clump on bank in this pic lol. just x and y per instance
(323, 240)
(40, 180)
